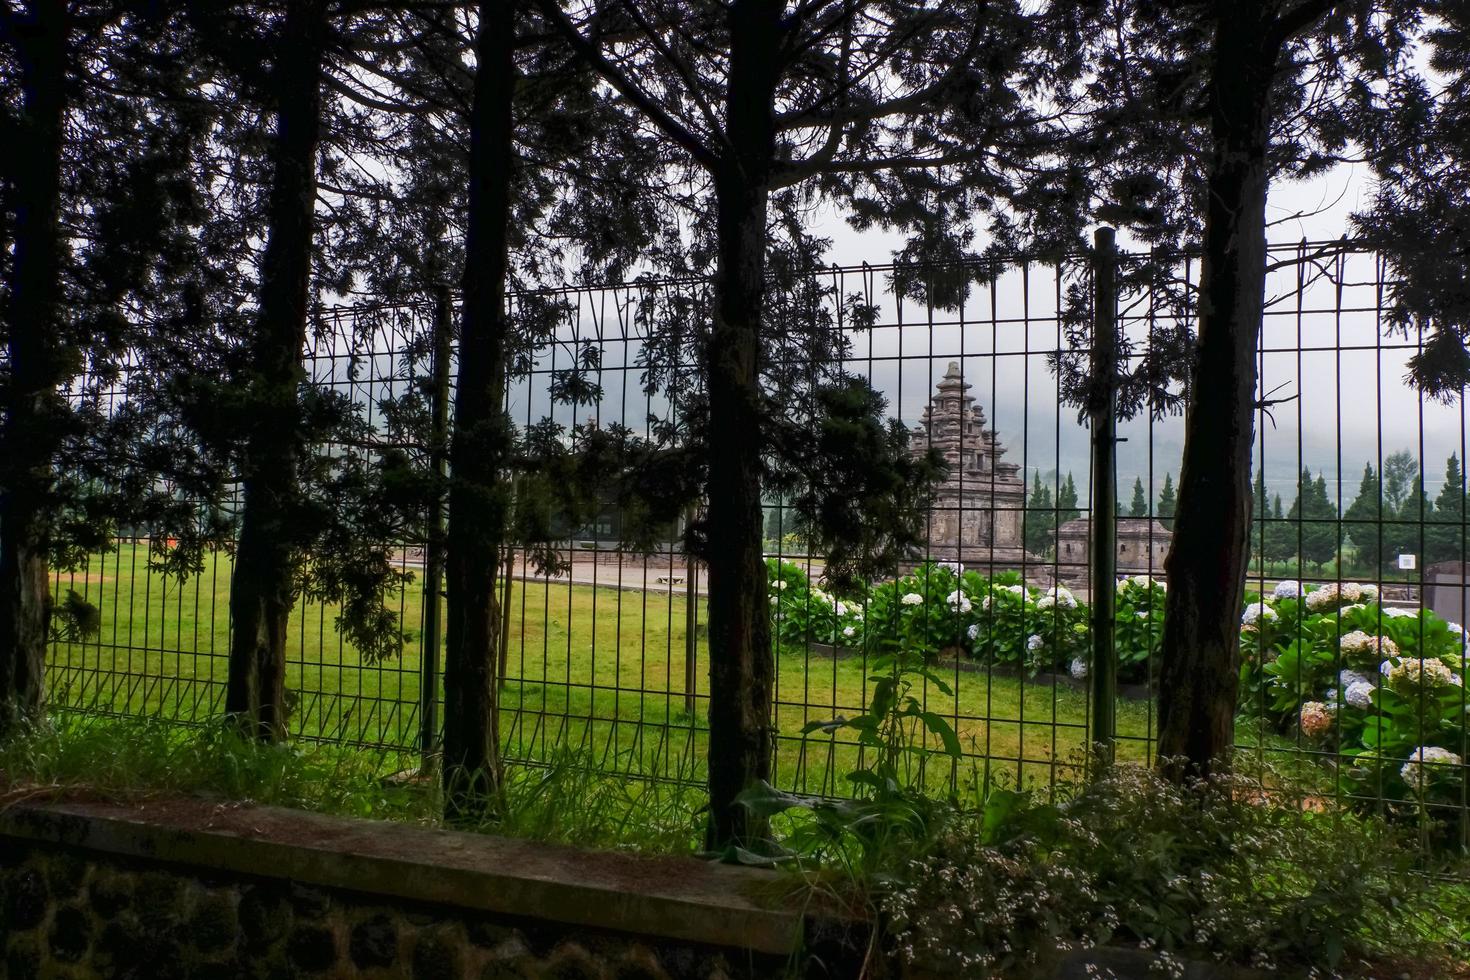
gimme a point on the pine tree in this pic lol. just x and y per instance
(1067, 509)
(1139, 505)
(1040, 518)
(1206, 92)
(1447, 535)
(1281, 536)
(1363, 521)
(1167, 502)
(1410, 529)
(762, 101)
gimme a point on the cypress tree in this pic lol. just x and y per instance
(1167, 502)
(1363, 521)
(1138, 507)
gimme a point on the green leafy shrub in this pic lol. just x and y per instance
(1377, 691)
(1213, 871)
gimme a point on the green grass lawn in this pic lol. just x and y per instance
(596, 670)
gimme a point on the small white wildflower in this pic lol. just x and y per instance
(1078, 668)
(1287, 589)
(1414, 771)
(912, 599)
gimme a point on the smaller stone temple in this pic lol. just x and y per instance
(1142, 545)
(977, 511)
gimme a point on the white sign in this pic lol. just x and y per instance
(1406, 562)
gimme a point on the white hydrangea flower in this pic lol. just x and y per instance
(1257, 611)
(1145, 582)
(951, 566)
(1057, 595)
(840, 608)
(1410, 673)
(958, 602)
(1427, 761)
(1360, 644)
(974, 631)
(912, 599)
(985, 604)
(1034, 642)
(1334, 594)
(849, 631)
(1349, 677)
(779, 584)
(1367, 592)
(1078, 668)
(857, 612)
(1399, 612)
(1315, 719)
(1288, 588)
(1456, 629)
(774, 600)
(1359, 694)
(1016, 589)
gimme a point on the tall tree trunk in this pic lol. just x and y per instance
(742, 667)
(1206, 566)
(478, 496)
(263, 581)
(28, 437)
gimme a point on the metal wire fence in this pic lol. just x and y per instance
(607, 660)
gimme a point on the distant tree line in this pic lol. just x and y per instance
(1391, 514)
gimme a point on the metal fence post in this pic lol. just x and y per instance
(1103, 547)
(434, 552)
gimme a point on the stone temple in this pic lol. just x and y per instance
(977, 510)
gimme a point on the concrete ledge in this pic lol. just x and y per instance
(681, 899)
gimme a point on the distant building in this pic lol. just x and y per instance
(977, 510)
(1142, 544)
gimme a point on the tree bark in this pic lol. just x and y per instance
(28, 437)
(1206, 565)
(742, 666)
(478, 496)
(262, 584)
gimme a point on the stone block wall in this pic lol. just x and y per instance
(71, 915)
(188, 888)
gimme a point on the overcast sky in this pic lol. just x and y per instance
(1342, 396)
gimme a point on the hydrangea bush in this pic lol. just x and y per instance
(1378, 690)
